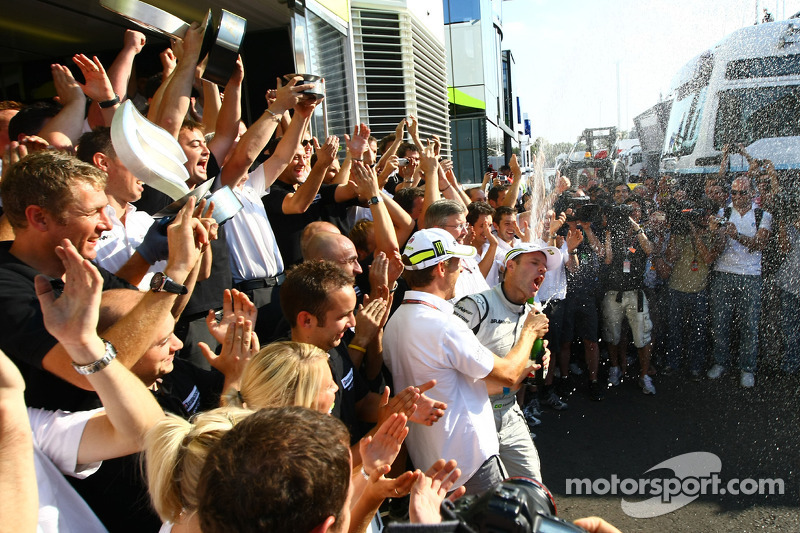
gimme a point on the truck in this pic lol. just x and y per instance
(745, 90)
(593, 156)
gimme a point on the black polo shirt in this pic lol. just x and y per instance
(26, 341)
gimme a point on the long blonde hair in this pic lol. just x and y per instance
(281, 374)
(174, 453)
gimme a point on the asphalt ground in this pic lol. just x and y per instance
(754, 432)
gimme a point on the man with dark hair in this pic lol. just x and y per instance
(480, 216)
(245, 485)
(410, 199)
(31, 119)
(425, 341)
(497, 196)
(8, 109)
(410, 152)
(318, 301)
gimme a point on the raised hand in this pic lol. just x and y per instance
(98, 86)
(235, 305)
(358, 143)
(383, 447)
(239, 345)
(72, 317)
(428, 411)
(134, 40)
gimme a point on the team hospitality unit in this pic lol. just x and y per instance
(364, 337)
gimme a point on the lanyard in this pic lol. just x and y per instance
(421, 302)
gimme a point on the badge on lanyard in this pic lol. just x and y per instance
(694, 266)
(626, 267)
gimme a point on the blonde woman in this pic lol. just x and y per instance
(283, 374)
(174, 454)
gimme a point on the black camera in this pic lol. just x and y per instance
(682, 216)
(516, 505)
(618, 216)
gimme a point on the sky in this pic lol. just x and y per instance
(566, 54)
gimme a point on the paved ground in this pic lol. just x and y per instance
(755, 433)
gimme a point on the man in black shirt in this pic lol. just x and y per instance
(626, 251)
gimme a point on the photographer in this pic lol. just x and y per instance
(693, 247)
(736, 289)
(626, 250)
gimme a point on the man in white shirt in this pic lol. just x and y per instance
(424, 340)
(736, 289)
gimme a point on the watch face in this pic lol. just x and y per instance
(156, 281)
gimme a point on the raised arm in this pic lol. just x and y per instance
(367, 182)
(119, 73)
(230, 114)
(429, 165)
(175, 101)
(512, 194)
(300, 200)
(130, 409)
(98, 88)
(258, 135)
(64, 129)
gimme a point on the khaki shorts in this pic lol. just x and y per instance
(614, 312)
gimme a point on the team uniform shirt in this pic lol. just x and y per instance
(423, 340)
(252, 247)
(56, 439)
(736, 258)
(118, 244)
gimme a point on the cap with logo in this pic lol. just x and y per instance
(428, 247)
(551, 253)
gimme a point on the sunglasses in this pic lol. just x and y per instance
(739, 193)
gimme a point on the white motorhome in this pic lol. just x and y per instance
(744, 90)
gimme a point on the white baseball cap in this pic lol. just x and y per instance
(552, 253)
(428, 247)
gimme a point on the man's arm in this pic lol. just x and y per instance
(130, 409)
(509, 369)
(132, 335)
(119, 73)
(300, 200)
(258, 135)
(513, 192)
(175, 101)
(63, 130)
(226, 125)
(429, 165)
(19, 505)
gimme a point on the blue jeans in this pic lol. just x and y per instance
(687, 320)
(736, 305)
(790, 307)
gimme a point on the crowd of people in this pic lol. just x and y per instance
(360, 331)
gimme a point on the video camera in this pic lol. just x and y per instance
(682, 216)
(583, 210)
(516, 505)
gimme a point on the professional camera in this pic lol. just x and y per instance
(583, 210)
(618, 216)
(682, 216)
(516, 505)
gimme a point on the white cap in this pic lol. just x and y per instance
(552, 253)
(428, 247)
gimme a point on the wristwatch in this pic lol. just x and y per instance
(375, 200)
(163, 283)
(98, 365)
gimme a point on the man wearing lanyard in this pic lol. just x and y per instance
(626, 251)
(424, 339)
